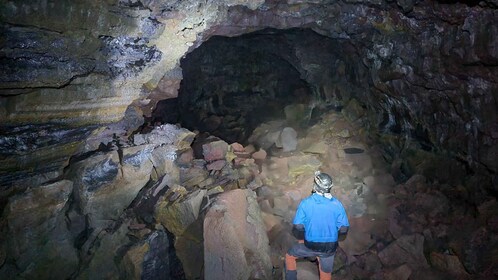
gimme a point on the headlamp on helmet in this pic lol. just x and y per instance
(323, 182)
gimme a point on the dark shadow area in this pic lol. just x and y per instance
(231, 85)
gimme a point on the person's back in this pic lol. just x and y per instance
(319, 220)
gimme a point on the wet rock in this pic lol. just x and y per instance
(407, 249)
(38, 239)
(235, 240)
(178, 215)
(216, 150)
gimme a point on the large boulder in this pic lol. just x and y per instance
(38, 239)
(105, 184)
(176, 216)
(149, 259)
(235, 241)
(408, 249)
(102, 261)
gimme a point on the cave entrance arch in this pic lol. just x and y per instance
(232, 84)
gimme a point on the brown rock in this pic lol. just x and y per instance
(185, 158)
(236, 147)
(216, 165)
(177, 216)
(448, 263)
(259, 155)
(214, 150)
(235, 241)
(407, 249)
(402, 272)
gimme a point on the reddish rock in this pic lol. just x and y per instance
(235, 240)
(242, 154)
(216, 165)
(236, 147)
(215, 150)
(239, 161)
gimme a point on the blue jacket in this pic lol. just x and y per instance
(321, 217)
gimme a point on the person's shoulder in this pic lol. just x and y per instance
(337, 202)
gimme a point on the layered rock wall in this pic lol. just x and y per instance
(429, 68)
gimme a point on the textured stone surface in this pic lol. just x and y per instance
(38, 240)
(407, 249)
(106, 184)
(235, 242)
(177, 216)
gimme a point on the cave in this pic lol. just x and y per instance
(154, 139)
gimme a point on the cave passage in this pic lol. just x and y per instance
(231, 85)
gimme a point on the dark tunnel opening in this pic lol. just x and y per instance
(233, 84)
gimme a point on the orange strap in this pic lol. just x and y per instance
(290, 262)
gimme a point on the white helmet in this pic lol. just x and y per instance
(323, 182)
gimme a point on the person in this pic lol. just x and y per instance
(319, 224)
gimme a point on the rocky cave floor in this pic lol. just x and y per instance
(213, 200)
(410, 230)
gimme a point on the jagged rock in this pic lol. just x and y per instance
(104, 263)
(189, 249)
(407, 249)
(149, 259)
(178, 215)
(216, 150)
(38, 240)
(216, 165)
(167, 134)
(266, 135)
(235, 240)
(448, 263)
(106, 184)
(195, 176)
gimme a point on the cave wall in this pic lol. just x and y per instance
(430, 66)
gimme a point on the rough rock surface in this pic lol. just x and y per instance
(38, 239)
(235, 243)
